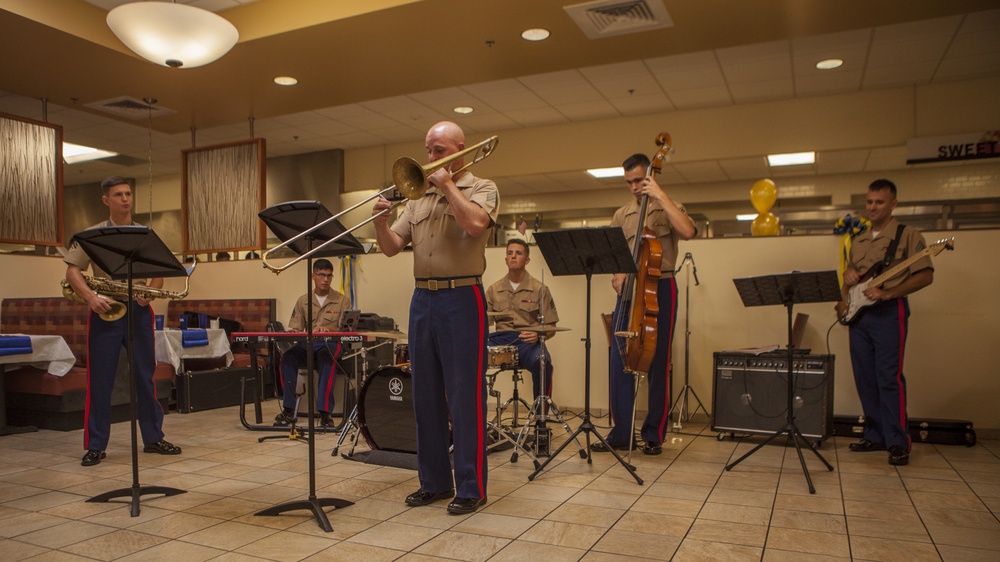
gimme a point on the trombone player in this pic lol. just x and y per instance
(449, 227)
(106, 338)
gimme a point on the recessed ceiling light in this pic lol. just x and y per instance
(285, 80)
(829, 64)
(75, 153)
(535, 34)
(791, 159)
(463, 109)
(616, 172)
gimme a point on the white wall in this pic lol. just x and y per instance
(952, 361)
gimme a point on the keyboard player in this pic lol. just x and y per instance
(328, 307)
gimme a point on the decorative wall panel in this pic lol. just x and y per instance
(31, 182)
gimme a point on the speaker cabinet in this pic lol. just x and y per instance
(750, 393)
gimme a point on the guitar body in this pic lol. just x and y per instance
(853, 303)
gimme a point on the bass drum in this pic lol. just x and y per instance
(385, 411)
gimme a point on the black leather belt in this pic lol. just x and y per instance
(449, 283)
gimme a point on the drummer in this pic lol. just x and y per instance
(518, 297)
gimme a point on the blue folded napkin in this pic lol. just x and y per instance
(15, 345)
(194, 338)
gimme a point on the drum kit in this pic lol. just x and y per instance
(541, 411)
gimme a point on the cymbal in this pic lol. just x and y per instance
(395, 334)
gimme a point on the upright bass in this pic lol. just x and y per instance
(641, 329)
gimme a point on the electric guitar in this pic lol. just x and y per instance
(854, 300)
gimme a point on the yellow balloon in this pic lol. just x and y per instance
(763, 194)
(766, 224)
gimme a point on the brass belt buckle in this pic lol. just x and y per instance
(432, 284)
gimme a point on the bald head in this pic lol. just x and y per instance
(444, 139)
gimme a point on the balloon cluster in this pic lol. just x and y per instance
(763, 194)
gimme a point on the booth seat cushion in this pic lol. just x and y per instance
(29, 380)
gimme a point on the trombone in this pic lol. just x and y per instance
(411, 181)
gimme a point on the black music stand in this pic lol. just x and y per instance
(586, 251)
(788, 289)
(286, 221)
(125, 252)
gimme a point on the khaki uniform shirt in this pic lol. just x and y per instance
(866, 251)
(627, 217)
(326, 318)
(523, 304)
(441, 248)
(76, 256)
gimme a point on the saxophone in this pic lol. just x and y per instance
(116, 291)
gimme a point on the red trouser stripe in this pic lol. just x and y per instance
(901, 314)
(480, 416)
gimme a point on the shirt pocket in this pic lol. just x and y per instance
(418, 225)
(528, 310)
(452, 230)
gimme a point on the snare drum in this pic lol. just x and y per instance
(502, 356)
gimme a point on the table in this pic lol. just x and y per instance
(170, 349)
(51, 353)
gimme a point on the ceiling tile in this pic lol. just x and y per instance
(841, 161)
(638, 103)
(744, 168)
(696, 172)
(589, 110)
(761, 91)
(701, 97)
(536, 116)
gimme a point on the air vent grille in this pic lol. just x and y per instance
(130, 108)
(606, 18)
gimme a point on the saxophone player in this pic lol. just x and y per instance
(105, 340)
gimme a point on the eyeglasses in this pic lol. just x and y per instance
(324, 275)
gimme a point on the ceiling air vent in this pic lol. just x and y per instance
(130, 108)
(606, 18)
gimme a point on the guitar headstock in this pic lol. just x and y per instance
(663, 141)
(942, 245)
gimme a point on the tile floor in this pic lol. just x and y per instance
(943, 506)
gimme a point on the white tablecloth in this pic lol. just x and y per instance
(47, 352)
(170, 349)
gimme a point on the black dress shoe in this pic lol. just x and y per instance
(325, 419)
(461, 506)
(898, 456)
(420, 497)
(162, 447)
(286, 417)
(866, 446)
(652, 448)
(90, 458)
(599, 447)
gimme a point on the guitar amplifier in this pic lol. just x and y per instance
(750, 393)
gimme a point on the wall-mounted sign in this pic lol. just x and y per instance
(967, 146)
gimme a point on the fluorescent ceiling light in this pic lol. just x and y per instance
(616, 172)
(791, 159)
(535, 34)
(748, 217)
(75, 153)
(829, 64)
(175, 35)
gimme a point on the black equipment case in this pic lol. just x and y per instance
(215, 388)
(922, 430)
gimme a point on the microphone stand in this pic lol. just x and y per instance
(681, 403)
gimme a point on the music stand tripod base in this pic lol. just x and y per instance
(788, 289)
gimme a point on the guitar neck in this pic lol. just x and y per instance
(895, 270)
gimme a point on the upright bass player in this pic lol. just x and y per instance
(668, 223)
